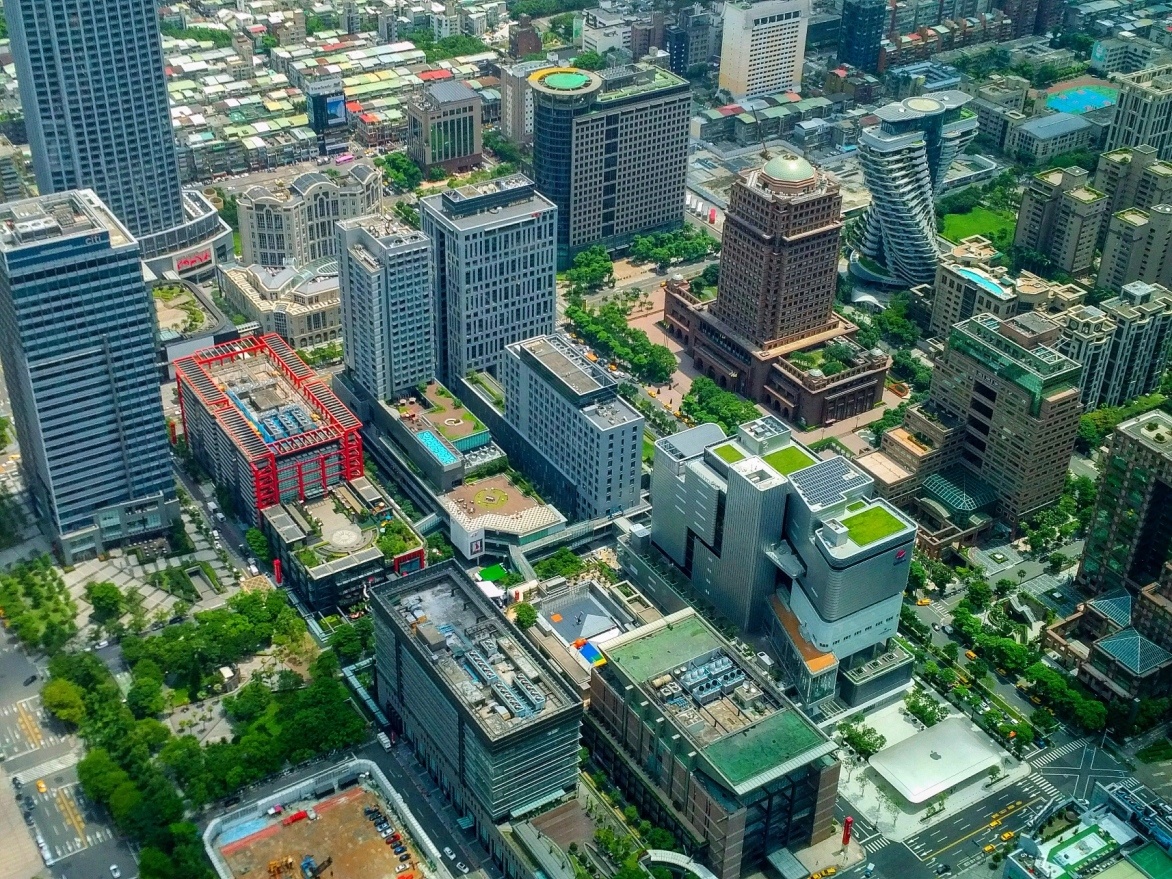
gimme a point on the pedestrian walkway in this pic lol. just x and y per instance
(1061, 751)
(876, 844)
(46, 769)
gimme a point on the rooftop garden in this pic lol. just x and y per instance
(870, 525)
(308, 557)
(396, 539)
(729, 453)
(446, 412)
(831, 359)
(788, 460)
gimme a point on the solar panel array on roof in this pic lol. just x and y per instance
(827, 482)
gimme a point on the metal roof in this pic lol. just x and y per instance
(1055, 125)
(1115, 607)
(1135, 651)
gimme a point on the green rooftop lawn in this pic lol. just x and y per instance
(871, 525)
(729, 453)
(777, 739)
(788, 460)
(669, 647)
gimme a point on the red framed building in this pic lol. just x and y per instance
(264, 425)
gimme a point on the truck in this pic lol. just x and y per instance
(384, 740)
(275, 810)
(294, 818)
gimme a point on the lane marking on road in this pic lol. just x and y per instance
(68, 808)
(29, 726)
(981, 828)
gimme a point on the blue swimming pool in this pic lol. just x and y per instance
(245, 828)
(988, 283)
(432, 443)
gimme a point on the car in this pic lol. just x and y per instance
(830, 871)
(1003, 672)
(101, 644)
(996, 822)
(942, 869)
(404, 857)
(1007, 835)
(385, 832)
(817, 875)
(999, 557)
(451, 854)
(936, 627)
(394, 837)
(989, 848)
(399, 849)
(1035, 700)
(31, 679)
(948, 630)
(29, 802)
(389, 841)
(923, 602)
(402, 867)
(41, 786)
(115, 872)
(868, 871)
(461, 866)
(17, 783)
(28, 818)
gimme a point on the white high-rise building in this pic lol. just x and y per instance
(904, 159)
(494, 247)
(78, 349)
(763, 47)
(388, 305)
(568, 409)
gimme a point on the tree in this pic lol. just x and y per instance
(592, 269)
(706, 402)
(106, 599)
(863, 739)
(977, 668)
(259, 544)
(526, 614)
(347, 643)
(978, 595)
(951, 651)
(145, 697)
(65, 701)
(400, 171)
(1056, 562)
(590, 60)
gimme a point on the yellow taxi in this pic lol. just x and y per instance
(996, 822)
(923, 602)
(990, 847)
(1007, 835)
(41, 788)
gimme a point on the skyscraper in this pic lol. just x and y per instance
(1060, 216)
(386, 275)
(610, 149)
(1143, 113)
(493, 251)
(779, 260)
(77, 345)
(763, 46)
(904, 159)
(95, 104)
(861, 32)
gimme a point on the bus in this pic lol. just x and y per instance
(343, 159)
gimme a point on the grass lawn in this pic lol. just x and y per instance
(788, 460)
(871, 525)
(979, 221)
(648, 449)
(729, 453)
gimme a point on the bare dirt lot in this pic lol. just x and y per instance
(341, 832)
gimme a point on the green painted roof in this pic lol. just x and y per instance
(788, 169)
(672, 646)
(777, 739)
(729, 453)
(566, 82)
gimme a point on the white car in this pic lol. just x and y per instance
(115, 872)
(461, 866)
(451, 854)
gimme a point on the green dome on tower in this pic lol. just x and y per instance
(788, 168)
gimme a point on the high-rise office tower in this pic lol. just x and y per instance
(94, 94)
(904, 159)
(1143, 114)
(763, 46)
(493, 251)
(779, 259)
(860, 33)
(569, 410)
(610, 149)
(1130, 535)
(95, 104)
(12, 185)
(386, 277)
(78, 349)
(1015, 400)
(1060, 216)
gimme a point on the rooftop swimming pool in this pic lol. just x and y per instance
(986, 282)
(432, 443)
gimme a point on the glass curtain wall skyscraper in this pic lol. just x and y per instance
(94, 94)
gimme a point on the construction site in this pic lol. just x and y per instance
(337, 837)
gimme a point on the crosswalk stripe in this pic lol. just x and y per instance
(877, 844)
(52, 766)
(1054, 753)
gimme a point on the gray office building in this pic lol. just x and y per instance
(77, 346)
(781, 541)
(568, 409)
(494, 723)
(95, 102)
(385, 275)
(610, 149)
(493, 246)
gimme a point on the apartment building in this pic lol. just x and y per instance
(864, 24)
(689, 41)
(1087, 333)
(763, 47)
(386, 275)
(495, 724)
(493, 247)
(1136, 247)
(1130, 535)
(1143, 111)
(703, 743)
(78, 350)
(610, 150)
(568, 409)
(443, 127)
(1134, 177)
(1060, 216)
(294, 225)
(995, 435)
(1142, 315)
(517, 100)
(904, 160)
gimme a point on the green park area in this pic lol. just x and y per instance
(979, 221)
